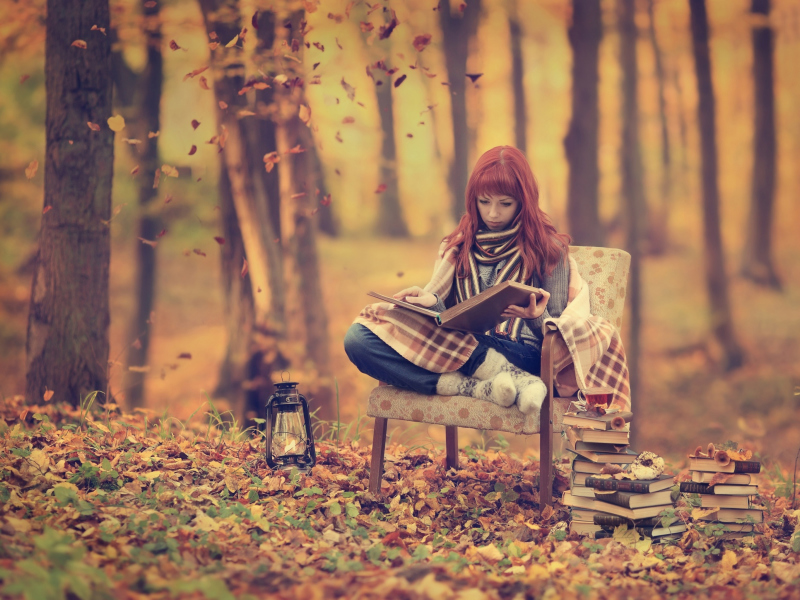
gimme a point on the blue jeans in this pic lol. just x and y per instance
(374, 357)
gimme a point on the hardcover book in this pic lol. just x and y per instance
(606, 520)
(736, 515)
(735, 466)
(714, 501)
(592, 421)
(582, 491)
(630, 500)
(480, 313)
(583, 527)
(637, 486)
(720, 489)
(734, 479)
(625, 457)
(616, 437)
(584, 465)
(606, 507)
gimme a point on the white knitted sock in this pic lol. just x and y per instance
(531, 394)
(499, 390)
(492, 365)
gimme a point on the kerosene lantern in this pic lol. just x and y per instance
(290, 440)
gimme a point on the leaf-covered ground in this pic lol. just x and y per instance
(112, 506)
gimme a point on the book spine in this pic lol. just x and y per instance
(619, 499)
(645, 531)
(747, 466)
(615, 485)
(690, 487)
(615, 521)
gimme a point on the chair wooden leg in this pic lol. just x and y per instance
(546, 426)
(451, 444)
(378, 449)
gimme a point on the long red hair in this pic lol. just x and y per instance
(504, 171)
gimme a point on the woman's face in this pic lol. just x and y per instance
(497, 211)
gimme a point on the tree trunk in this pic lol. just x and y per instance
(581, 142)
(298, 169)
(390, 212)
(67, 343)
(149, 85)
(458, 28)
(757, 263)
(716, 280)
(659, 222)
(252, 354)
(518, 85)
(632, 183)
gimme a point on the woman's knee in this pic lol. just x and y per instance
(354, 341)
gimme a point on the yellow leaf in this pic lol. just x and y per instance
(152, 475)
(305, 114)
(537, 571)
(116, 123)
(728, 559)
(626, 537)
(643, 545)
(429, 587)
(555, 566)
(205, 523)
(699, 513)
(232, 43)
(19, 525)
(31, 169)
(169, 171)
(230, 483)
(41, 460)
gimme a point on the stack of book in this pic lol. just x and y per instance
(601, 503)
(730, 493)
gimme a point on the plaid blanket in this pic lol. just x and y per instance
(588, 352)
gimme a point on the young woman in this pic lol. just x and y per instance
(504, 235)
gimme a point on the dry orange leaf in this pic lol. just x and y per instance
(421, 41)
(79, 44)
(204, 83)
(93, 126)
(192, 150)
(30, 170)
(48, 394)
(381, 188)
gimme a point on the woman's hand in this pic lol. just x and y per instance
(416, 295)
(534, 310)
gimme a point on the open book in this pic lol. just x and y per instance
(480, 313)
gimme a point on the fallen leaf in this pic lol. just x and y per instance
(421, 41)
(48, 394)
(719, 478)
(490, 553)
(79, 44)
(30, 170)
(232, 43)
(116, 123)
(93, 126)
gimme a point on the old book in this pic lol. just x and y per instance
(582, 491)
(625, 457)
(583, 527)
(615, 437)
(480, 313)
(578, 478)
(737, 527)
(592, 421)
(714, 501)
(735, 466)
(637, 486)
(630, 500)
(733, 479)
(736, 515)
(584, 465)
(583, 514)
(606, 520)
(720, 489)
(630, 513)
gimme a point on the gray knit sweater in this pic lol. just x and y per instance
(557, 283)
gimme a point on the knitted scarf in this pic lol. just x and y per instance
(490, 248)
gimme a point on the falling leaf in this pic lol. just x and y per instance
(150, 243)
(116, 123)
(192, 150)
(245, 113)
(30, 170)
(386, 30)
(319, 46)
(93, 126)
(173, 45)
(270, 160)
(199, 252)
(326, 200)
(186, 355)
(351, 91)
(421, 41)
(195, 123)
(150, 4)
(153, 134)
(169, 171)
(194, 73)
(254, 20)
(280, 79)
(223, 105)
(48, 394)
(135, 170)
(156, 179)
(232, 43)
(167, 198)
(399, 80)
(381, 188)
(348, 120)
(79, 44)
(204, 82)
(219, 240)
(338, 138)
(473, 77)
(24, 78)
(296, 150)
(366, 26)
(46, 209)
(409, 135)
(304, 113)
(161, 234)
(223, 138)
(719, 478)
(100, 29)
(245, 268)
(296, 196)
(132, 142)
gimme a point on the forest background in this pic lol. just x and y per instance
(378, 179)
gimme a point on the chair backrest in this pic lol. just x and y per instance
(606, 272)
